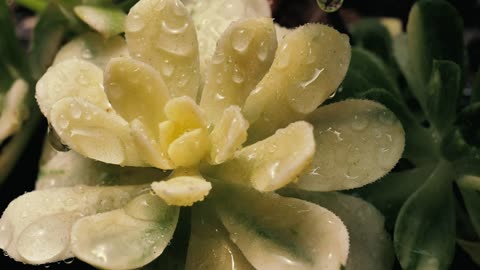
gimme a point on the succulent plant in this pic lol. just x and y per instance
(234, 128)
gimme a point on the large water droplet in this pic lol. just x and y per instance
(172, 46)
(75, 111)
(160, 5)
(6, 233)
(360, 122)
(386, 117)
(283, 58)
(55, 140)
(147, 207)
(54, 230)
(241, 39)
(134, 23)
(329, 5)
(87, 53)
(179, 9)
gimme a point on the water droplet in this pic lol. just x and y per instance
(332, 95)
(219, 96)
(386, 117)
(69, 260)
(329, 5)
(218, 58)
(316, 73)
(360, 122)
(179, 9)
(87, 53)
(173, 29)
(55, 141)
(237, 76)
(82, 80)
(76, 111)
(241, 39)
(167, 68)
(311, 56)
(62, 122)
(262, 52)
(184, 79)
(134, 23)
(6, 233)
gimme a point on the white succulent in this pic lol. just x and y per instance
(155, 102)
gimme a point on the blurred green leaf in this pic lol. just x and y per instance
(35, 5)
(472, 249)
(12, 60)
(390, 193)
(469, 124)
(444, 88)
(424, 235)
(470, 187)
(366, 71)
(435, 32)
(476, 88)
(108, 21)
(371, 35)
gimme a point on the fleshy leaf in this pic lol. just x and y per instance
(228, 135)
(105, 20)
(65, 169)
(71, 78)
(136, 91)
(282, 233)
(93, 48)
(118, 240)
(13, 110)
(371, 247)
(244, 54)
(212, 17)
(188, 149)
(309, 65)
(50, 211)
(470, 186)
(472, 249)
(469, 125)
(272, 163)
(431, 37)
(357, 142)
(182, 190)
(371, 35)
(424, 234)
(210, 247)
(95, 133)
(172, 48)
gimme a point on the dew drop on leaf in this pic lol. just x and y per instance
(329, 5)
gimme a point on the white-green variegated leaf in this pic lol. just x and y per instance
(108, 21)
(94, 48)
(271, 163)
(161, 34)
(35, 227)
(65, 169)
(371, 246)
(280, 233)
(126, 238)
(210, 246)
(212, 17)
(357, 142)
(243, 55)
(310, 63)
(13, 109)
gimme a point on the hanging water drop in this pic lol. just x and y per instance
(329, 5)
(55, 140)
(241, 40)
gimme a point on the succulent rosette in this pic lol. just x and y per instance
(154, 125)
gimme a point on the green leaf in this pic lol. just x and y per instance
(366, 71)
(418, 147)
(371, 35)
(470, 187)
(444, 88)
(108, 21)
(435, 32)
(47, 36)
(390, 193)
(35, 5)
(469, 125)
(476, 88)
(12, 60)
(424, 236)
(472, 249)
